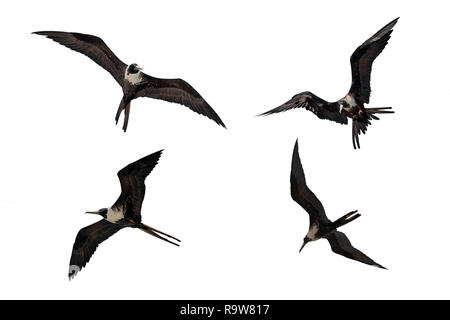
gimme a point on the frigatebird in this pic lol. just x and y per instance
(125, 212)
(319, 224)
(133, 81)
(352, 105)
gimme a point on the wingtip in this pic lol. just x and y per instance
(296, 147)
(73, 271)
(40, 33)
(392, 23)
(264, 113)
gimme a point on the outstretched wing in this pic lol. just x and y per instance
(86, 243)
(341, 245)
(91, 46)
(302, 194)
(177, 91)
(321, 108)
(362, 59)
(132, 182)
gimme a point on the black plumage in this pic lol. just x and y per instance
(125, 212)
(352, 105)
(134, 83)
(320, 226)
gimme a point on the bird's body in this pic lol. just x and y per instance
(352, 105)
(125, 212)
(133, 81)
(320, 226)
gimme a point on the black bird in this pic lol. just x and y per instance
(319, 225)
(352, 105)
(125, 212)
(134, 83)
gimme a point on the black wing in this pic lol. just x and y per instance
(362, 59)
(91, 46)
(86, 243)
(321, 108)
(177, 91)
(132, 182)
(341, 245)
(302, 194)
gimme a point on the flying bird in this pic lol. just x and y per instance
(133, 81)
(352, 105)
(125, 212)
(319, 224)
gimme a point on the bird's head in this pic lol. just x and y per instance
(133, 68)
(305, 241)
(102, 212)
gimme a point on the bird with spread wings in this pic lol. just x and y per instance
(133, 81)
(352, 105)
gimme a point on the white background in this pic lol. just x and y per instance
(225, 193)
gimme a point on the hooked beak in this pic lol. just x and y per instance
(140, 68)
(340, 108)
(303, 245)
(91, 212)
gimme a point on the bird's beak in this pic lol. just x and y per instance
(92, 212)
(303, 245)
(140, 68)
(340, 108)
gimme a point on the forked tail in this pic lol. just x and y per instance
(124, 105)
(362, 121)
(349, 217)
(373, 111)
(158, 234)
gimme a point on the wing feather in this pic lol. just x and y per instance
(87, 241)
(341, 245)
(91, 46)
(362, 59)
(178, 91)
(301, 194)
(132, 181)
(311, 102)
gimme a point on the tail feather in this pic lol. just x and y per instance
(122, 106)
(349, 217)
(158, 234)
(380, 110)
(361, 122)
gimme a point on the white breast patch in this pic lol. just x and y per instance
(312, 232)
(114, 215)
(350, 100)
(134, 78)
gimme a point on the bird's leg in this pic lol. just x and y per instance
(127, 115)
